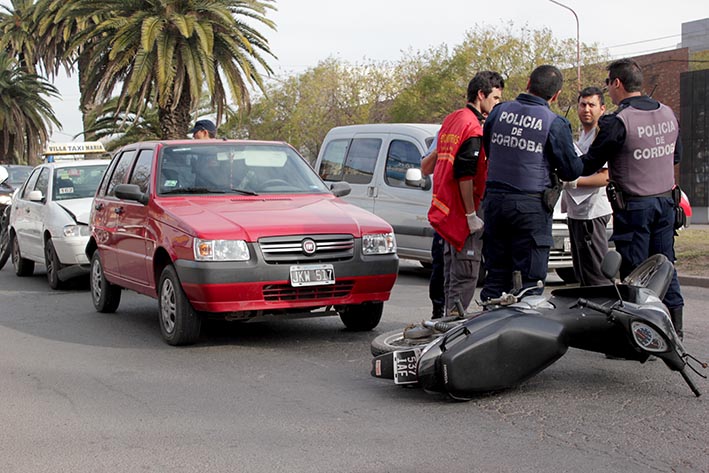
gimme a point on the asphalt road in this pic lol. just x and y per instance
(88, 392)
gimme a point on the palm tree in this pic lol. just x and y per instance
(26, 117)
(170, 49)
(58, 22)
(17, 30)
(116, 128)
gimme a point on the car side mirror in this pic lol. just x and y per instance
(35, 196)
(340, 189)
(131, 192)
(3, 174)
(415, 178)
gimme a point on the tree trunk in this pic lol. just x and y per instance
(175, 121)
(86, 108)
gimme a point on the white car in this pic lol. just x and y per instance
(49, 219)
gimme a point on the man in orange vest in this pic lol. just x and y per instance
(458, 187)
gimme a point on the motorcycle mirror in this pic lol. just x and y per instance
(611, 264)
(610, 267)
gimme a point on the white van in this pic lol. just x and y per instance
(374, 158)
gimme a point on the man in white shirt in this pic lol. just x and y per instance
(585, 200)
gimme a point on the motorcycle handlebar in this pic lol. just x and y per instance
(594, 306)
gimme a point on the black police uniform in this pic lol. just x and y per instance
(641, 143)
(524, 140)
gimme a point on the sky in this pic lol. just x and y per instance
(309, 31)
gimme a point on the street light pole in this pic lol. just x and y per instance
(578, 42)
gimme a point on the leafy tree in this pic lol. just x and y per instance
(302, 108)
(26, 117)
(437, 79)
(167, 49)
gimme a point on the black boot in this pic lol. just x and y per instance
(438, 311)
(676, 316)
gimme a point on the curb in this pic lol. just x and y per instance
(697, 281)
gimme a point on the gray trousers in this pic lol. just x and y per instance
(460, 270)
(589, 244)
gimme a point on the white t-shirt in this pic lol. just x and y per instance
(586, 203)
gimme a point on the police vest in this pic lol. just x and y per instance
(516, 148)
(645, 165)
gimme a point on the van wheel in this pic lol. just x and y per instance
(51, 261)
(23, 266)
(362, 317)
(179, 322)
(105, 296)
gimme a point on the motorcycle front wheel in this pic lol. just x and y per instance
(388, 342)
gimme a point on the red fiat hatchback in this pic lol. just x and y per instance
(242, 230)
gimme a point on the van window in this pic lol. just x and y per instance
(402, 155)
(350, 160)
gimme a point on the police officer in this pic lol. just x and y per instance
(524, 142)
(640, 141)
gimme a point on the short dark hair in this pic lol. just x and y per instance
(545, 81)
(628, 72)
(484, 81)
(590, 92)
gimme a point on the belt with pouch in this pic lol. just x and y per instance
(642, 197)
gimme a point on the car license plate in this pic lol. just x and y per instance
(405, 363)
(567, 244)
(312, 275)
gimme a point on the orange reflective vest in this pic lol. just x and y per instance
(447, 213)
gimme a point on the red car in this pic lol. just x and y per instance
(243, 230)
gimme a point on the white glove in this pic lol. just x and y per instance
(475, 223)
(571, 184)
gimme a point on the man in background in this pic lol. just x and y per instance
(203, 130)
(584, 199)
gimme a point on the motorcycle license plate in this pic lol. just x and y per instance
(405, 362)
(312, 275)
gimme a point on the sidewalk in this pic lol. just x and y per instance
(687, 280)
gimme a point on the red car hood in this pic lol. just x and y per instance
(252, 217)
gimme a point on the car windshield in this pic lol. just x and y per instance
(17, 174)
(76, 182)
(238, 168)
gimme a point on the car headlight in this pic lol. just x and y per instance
(648, 338)
(76, 230)
(220, 250)
(378, 243)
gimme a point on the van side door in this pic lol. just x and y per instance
(404, 207)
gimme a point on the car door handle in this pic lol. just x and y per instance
(98, 206)
(118, 210)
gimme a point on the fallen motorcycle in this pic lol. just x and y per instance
(516, 337)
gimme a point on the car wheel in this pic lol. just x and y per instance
(567, 275)
(105, 296)
(362, 317)
(179, 322)
(23, 266)
(51, 261)
(5, 247)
